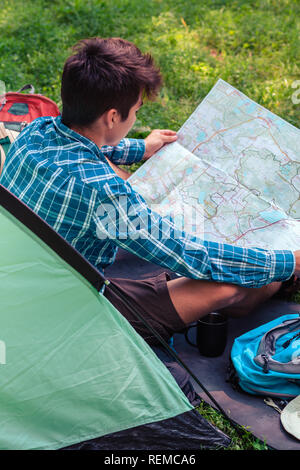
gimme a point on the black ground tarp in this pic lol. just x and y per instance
(188, 431)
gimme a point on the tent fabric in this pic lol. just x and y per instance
(75, 370)
(181, 376)
(65, 342)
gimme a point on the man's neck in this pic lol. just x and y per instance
(96, 138)
(90, 134)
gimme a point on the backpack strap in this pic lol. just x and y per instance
(27, 87)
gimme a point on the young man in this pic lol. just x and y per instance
(65, 169)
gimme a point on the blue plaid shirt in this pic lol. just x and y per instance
(66, 179)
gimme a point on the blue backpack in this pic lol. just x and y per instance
(266, 360)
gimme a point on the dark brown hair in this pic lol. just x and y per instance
(103, 74)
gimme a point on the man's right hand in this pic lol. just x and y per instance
(297, 257)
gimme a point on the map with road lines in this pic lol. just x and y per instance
(233, 175)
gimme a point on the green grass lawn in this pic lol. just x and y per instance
(252, 44)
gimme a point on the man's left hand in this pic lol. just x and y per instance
(156, 140)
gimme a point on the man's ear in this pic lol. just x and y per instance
(111, 118)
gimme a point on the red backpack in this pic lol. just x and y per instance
(18, 109)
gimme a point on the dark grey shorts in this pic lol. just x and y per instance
(152, 297)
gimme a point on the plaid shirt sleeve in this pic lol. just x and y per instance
(123, 217)
(127, 152)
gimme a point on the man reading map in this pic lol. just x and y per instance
(66, 170)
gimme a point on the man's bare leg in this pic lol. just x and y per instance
(194, 299)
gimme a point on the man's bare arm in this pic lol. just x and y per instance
(297, 258)
(120, 172)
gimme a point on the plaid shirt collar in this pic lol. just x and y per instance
(71, 134)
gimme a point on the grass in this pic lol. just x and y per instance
(245, 441)
(252, 44)
(297, 298)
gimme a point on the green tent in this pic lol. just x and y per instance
(73, 370)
